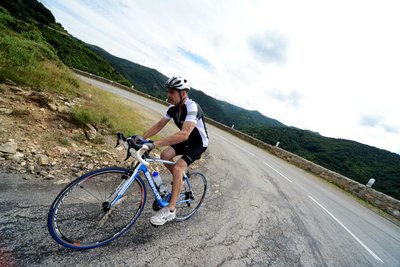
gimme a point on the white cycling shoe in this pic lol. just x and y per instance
(162, 216)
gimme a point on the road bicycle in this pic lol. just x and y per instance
(103, 204)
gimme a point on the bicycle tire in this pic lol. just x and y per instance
(193, 191)
(76, 218)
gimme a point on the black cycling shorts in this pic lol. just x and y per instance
(190, 152)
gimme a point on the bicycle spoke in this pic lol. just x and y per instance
(78, 218)
(191, 197)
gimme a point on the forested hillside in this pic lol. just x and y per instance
(72, 52)
(355, 160)
(30, 11)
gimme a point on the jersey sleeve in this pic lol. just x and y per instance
(192, 112)
(168, 114)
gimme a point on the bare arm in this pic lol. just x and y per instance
(178, 137)
(156, 128)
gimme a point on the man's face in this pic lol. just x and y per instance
(173, 97)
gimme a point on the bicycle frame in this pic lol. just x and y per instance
(153, 187)
(140, 167)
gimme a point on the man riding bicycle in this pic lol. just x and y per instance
(190, 142)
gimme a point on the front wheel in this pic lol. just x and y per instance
(193, 191)
(78, 217)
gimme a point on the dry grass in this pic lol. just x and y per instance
(110, 110)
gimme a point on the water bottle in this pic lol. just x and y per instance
(159, 183)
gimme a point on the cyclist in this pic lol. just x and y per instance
(190, 141)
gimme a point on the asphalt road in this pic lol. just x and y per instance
(259, 211)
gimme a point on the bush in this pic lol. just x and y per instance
(82, 116)
(64, 141)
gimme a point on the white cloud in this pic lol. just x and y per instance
(318, 65)
(269, 48)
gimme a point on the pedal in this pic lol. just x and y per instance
(156, 207)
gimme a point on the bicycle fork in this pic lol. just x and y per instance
(188, 193)
(116, 197)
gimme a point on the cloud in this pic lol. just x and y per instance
(291, 99)
(195, 58)
(106, 7)
(390, 128)
(269, 48)
(370, 120)
(375, 121)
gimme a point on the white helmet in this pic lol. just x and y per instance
(178, 83)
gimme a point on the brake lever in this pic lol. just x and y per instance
(128, 153)
(120, 136)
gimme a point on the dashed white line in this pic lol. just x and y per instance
(278, 172)
(241, 148)
(345, 228)
(322, 207)
(245, 150)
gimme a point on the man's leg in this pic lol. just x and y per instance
(177, 174)
(168, 154)
(165, 214)
(177, 171)
(169, 213)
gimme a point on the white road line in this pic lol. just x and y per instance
(278, 172)
(345, 228)
(241, 148)
(220, 136)
(245, 150)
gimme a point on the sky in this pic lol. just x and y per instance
(331, 67)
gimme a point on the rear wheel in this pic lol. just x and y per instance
(193, 191)
(80, 218)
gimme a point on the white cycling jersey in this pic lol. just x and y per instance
(190, 111)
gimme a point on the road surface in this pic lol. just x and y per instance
(259, 211)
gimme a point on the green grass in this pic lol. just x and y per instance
(63, 141)
(78, 138)
(83, 115)
(27, 59)
(30, 61)
(99, 140)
